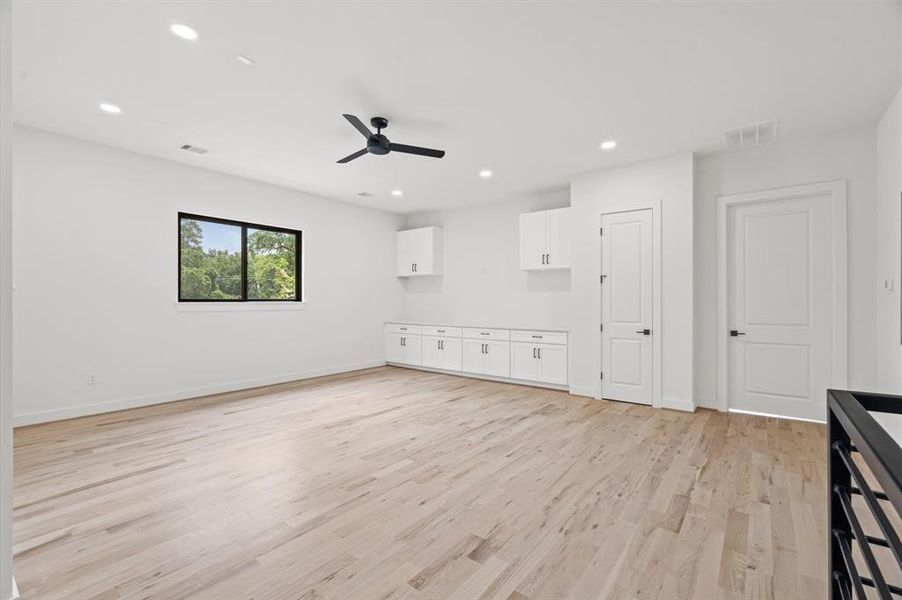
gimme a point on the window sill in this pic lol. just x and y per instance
(237, 306)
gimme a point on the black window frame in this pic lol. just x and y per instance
(244, 225)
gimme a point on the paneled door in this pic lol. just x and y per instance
(626, 306)
(780, 306)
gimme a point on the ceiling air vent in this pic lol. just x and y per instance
(195, 149)
(750, 136)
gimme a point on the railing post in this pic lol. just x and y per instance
(837, 474)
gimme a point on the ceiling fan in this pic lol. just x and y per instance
(376, 143)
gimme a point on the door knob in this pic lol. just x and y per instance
(734, 333)
(644, 331)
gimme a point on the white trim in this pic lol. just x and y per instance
(524, 382)
(657, 322)
(237, 306)
(15, 590)
(837, 191)
(140, 401)
(768, 415)
(589, 392)
(677, 404)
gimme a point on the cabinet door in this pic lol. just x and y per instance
(498, 359)
(524, 361)
(552, 364)
(533, 240)
(473, 358)
(404, 241)
(451, 354)
(558, 238)
(432, 355)
(394, 351)
(412, 352)
(422, 254)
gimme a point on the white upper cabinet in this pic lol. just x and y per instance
(545, 239)
(419, 252)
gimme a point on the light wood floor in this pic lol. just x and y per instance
(394, 483)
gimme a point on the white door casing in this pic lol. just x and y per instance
(627, 306)
(782, 289)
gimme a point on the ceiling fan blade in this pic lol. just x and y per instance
(416, 150)
(359, 126)
(351, 157)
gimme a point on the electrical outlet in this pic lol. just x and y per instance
(92, 379)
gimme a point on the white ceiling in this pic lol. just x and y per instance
(525, 89)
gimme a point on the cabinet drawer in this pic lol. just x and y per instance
(439, 331)
(539, 337)
(402, 328)
(487, 334)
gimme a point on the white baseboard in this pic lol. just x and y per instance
(139, 401)
(589, 392)
(538, 384)
(15, 590)
(770, 416)
(676, 404)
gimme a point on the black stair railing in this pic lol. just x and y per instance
(852, 429)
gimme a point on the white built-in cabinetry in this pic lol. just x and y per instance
(537, 357)
(419, 252)
(545, 239)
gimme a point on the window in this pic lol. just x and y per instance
(232, 261)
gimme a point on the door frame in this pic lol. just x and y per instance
(837, 192)
(655, 206)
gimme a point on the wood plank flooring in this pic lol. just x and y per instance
(401, 484)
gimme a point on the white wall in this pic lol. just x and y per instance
(6, 315)
(670, 181)
(482, 282)
(844, 155)
(96, 277)
(889, 248)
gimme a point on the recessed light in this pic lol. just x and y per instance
(243, 60)
(397, 193)
(608, 145)
(485, 173)
(183, 31)
(110, 108)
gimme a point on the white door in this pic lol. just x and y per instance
(626, 306)
(431, 352)
(394, 349)
(533, 240)
(421, 240)
(552, 364)
(412, 349)
(498, 359)
(524, 361)
(473, 359)
(780, 306)
(404, 253)
(451, 354)
(558, 238)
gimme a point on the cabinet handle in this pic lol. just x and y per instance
(402, 341)
(534, 353)
(543, 259)
(547, 259)
(414, 267)
(540, 353)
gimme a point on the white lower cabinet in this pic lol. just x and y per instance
(539, 362)
(402, 348)
(486, 357)
(441, 353)
(534, 356)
